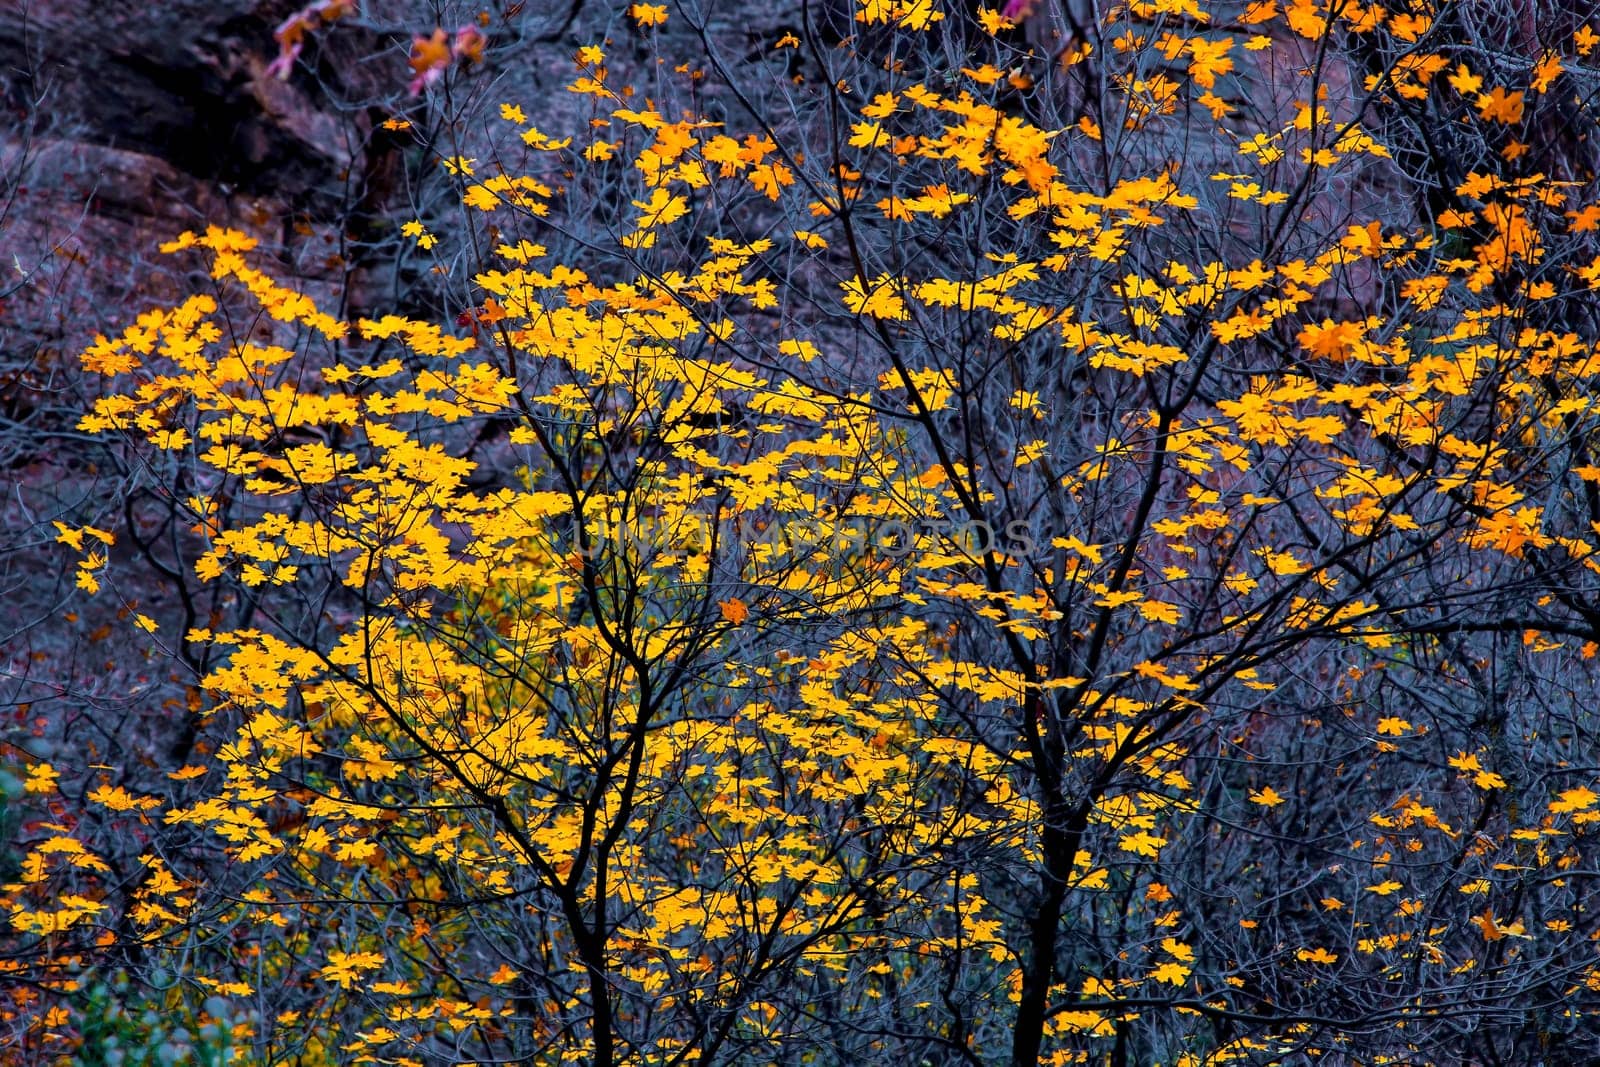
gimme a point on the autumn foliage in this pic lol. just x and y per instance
(999, 547)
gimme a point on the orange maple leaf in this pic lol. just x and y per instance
(1497, 105)
(430, 53)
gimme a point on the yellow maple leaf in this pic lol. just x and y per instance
(877, 298)
(42, 778)
(662, 209)
(1177, 949)
(1497, 105)
(1158, 611)
(115, 797)
(1464, 81)
(1267, 797)
(1546, 71)
(1171, 972)
(1142, 844)
(344, 968)
(647, 15)
(1574, 800)
(1210, 60)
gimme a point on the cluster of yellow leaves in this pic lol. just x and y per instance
(498, 661)
(395, 519)
(93, 560)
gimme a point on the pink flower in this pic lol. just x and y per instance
(432, 56)
(469, 44)
(291, 38)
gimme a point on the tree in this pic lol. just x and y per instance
(1011, 566)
